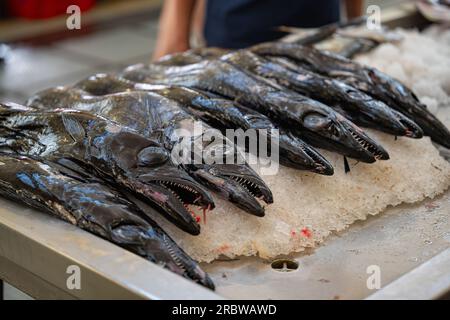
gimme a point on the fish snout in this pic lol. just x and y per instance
(335, 133)
(180, 183)
(245, 191)
(297, 154)
(165, 252)
(169, 189)
(365, 148)
(160, 195)
(399, 124)
(412, 130)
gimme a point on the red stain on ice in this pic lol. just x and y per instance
(224, 248)
(306, 233)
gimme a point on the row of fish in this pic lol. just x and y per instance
(85, 152)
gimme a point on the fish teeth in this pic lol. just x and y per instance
(246, 184)
(173, 254)
(170, 184)
(367, 146)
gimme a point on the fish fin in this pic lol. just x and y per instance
(346, 165)
(73, 127)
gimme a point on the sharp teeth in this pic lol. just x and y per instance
(366, 145)
(246, 184)
(169, 184)
(174, 256)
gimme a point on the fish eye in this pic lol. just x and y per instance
(152, 156)
(314, 121)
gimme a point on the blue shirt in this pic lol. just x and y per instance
(241, 23)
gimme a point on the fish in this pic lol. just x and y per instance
(369, 80)
(96, 208)
(315, 123)
(349, 48)
(216, 111)
(225, 114)
(346, 38)
(308, 36)
(355, 105)
(313, 36)
(164, 120)
(378, 36)
(190, 56)
(119, 155)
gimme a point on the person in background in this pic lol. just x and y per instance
(234, 24)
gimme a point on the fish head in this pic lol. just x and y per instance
(334, 132)
(404, 100)
(394, 122)
(155, 245)
(376, 114)
(238, 183)
(176, 193)
(295, 153)
(393, 88)
(149, 171)
(179, 183)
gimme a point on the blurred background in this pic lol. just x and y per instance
(42, 52)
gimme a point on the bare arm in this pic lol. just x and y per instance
(174, 27)
(354, 8)
(198, 23)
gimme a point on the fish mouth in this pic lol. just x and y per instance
(335, 133)
(410, 106)
(368, 145)
(412, 129)
(238, 184)
(320, 164)
(187, 193)
(178, 199)
(386, 119)
(155, 245)
(430, 125)
(297, 154)
(177, 261)
(399, 124)
(254, 187)
(359, 145)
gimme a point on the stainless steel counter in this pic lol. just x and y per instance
(401, 243)
(36, 251)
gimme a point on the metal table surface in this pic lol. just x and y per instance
(36, 250)
(409, 245)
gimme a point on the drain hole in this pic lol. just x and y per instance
(284, 265)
